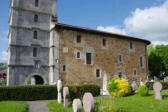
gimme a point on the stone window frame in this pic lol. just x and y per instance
(36, 3)
(91, 58)
(78, 41)
(120, 58)
(142, 62)
(100, 73)
(77, 55)
(64, 68)
(35, 34)
(36, 18)
(35, 52)
(131, 46)
(134, 72)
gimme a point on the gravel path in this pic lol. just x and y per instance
(38, 106)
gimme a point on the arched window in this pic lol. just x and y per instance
(35, 18)
(34, 52)
(36, 3)
(35, 35)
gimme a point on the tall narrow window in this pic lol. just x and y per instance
(34, 52)
(88, 58)
(35, 18)
(35, 35)
(64, 68)
(135, 72)
(78, 55)
(78, 39)
(98, 73)
(120, 59)
(120, 74)
(36, 3)
(141, 62)
(104, 42)
(131, 45)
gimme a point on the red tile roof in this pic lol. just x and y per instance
(77, 28)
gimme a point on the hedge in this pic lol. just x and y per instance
(43, 92)
(150, 85)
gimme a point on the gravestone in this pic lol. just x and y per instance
(105, 83)
(66, 95)
(77, 105)
(33, 81)
(88, 102)
(59, 87)
(157, 87)
(134, 86)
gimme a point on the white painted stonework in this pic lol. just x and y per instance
(105, 83)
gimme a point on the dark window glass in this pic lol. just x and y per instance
(35, 18)
(141, 61)
(34, 52)
(120, 74)
(78, 54)
(37, 64)
(36, 3)
(64, 68)
(131, 45)
(104, 42)
(135, 72)
(120, 58)
(35, 34)
(97, 72)
(78, 40)
(88, 58)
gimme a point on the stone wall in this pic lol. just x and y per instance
(104, 58)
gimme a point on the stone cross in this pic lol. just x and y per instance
(157, 87)
(77, 105)
(66, 95)
(134, 86)
(88, 102)
(59, 87)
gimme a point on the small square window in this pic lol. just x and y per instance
(78, 39)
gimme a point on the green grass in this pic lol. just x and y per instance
(13, 106)
(136, 103)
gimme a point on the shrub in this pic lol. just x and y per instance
(150, 85)
(119, 87)
(43, 92)
(143, 90)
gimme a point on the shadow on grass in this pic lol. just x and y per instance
(165, 96)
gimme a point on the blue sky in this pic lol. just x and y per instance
(120, 16)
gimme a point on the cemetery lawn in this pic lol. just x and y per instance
(13, 106)
(55, 107)
(135, 103)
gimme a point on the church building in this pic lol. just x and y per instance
(46, 50)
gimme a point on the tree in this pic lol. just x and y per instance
(158, 60)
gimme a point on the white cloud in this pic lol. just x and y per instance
(112, 29)
(3, 56)
(151, 22)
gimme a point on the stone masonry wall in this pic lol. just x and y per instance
(104, 58)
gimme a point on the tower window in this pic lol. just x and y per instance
(98, 73)
(34, 52)
(35, 35)
(120, 59)
(36, 3)
(104, 42)
(78, 55)
(88, 58)
(64, 68)
(78, 39)
(35, 18)
(131, 45)
(141, 62)
(120, 74)
(37, 64)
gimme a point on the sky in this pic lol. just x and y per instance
(147, 19)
